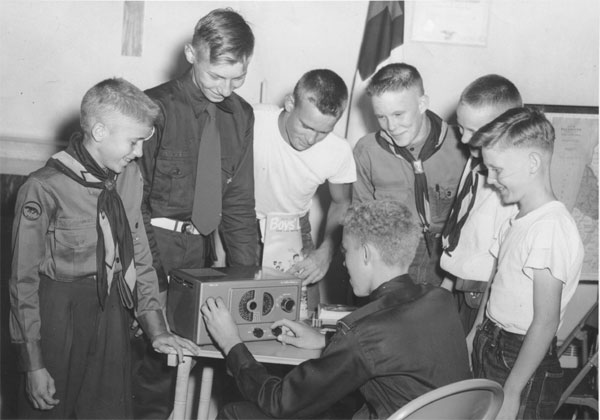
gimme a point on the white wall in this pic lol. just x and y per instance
(53, 51)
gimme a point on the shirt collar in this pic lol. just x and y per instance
(403, 281)
(199, 101)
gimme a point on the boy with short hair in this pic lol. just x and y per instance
(81, 265)
(477, 212)
(539, 254)
(198, 178)
(414, 158)
(296, 151)
(379, 348)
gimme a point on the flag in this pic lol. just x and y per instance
(384, 33)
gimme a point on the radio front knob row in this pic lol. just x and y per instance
(287, 304)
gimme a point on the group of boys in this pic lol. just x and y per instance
(96, 236)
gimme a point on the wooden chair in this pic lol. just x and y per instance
(472, 399)
(583, 389)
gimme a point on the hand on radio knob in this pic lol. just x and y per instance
(299, 335)
(220, 324)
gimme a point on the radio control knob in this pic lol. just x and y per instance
(258, 332)
(287, 304)
(276, 331)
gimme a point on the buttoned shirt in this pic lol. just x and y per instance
(170, 160)
(55, 236)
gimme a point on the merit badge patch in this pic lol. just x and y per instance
(32, 210)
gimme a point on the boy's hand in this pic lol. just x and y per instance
(40, 389)
(470, 338)
(299, 335)
(170, 343)
(313, 268)
(220, 324)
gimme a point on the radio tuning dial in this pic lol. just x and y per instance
(258, 332)
(287, 304)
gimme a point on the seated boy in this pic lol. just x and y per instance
(405, 342)
(539, 255)
(477, 212)
(82, 266)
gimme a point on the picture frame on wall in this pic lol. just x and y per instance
(451, 22)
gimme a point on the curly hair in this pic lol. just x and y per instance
(387, 225)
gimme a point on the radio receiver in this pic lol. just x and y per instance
(255, 297)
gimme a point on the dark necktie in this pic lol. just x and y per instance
(432, 144)
(463, 203)
(206, 211)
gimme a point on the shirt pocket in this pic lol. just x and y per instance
(75, 251)
(174, 181)
(441, 198)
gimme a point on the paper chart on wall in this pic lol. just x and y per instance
(575, 178)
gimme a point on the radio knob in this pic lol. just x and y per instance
(276, 331)
(287, 304)
(258, 332)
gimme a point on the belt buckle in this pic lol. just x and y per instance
(187, 227)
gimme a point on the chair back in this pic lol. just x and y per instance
(472, 399)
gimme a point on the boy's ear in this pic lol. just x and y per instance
(190, 53)
(535, 162)
(423, 103)
(99, 131)
(366, 254)
(289, 102)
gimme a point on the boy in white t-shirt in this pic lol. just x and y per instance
(539, 254)
(295, 151)
(477, 212)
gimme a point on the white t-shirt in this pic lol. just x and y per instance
(285, 180)
(548, 238)
(471, 259)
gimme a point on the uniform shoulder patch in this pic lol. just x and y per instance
(32, 210)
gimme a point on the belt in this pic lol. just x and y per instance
(174, 225)
(473, 286)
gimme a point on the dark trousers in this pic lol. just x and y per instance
(494, 354)
(153, 380)
(245, 410)
(85, 350)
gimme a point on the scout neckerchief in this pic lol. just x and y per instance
(114, 233)
(461, 208)
(432, 144)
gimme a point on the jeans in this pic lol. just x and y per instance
(494, 354)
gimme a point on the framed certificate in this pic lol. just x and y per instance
(451, 21)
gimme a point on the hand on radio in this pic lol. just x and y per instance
(168, 342)
(313, 268)
(220, 324)
(299, 335)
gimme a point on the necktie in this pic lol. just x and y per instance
(463, 203)
(206, 211)
(432, 144)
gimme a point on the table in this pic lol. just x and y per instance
(263, 351)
